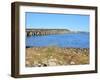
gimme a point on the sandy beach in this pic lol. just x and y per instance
(56, 56)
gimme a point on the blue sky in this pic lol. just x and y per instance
(57, 21)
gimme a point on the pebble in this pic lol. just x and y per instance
(72, 62)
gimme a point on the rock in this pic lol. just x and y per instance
(27, 63)
(52, 62)
(44, 65)
(72, 62)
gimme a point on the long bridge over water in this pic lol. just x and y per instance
(39, 32)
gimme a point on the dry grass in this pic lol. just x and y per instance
(55, 56)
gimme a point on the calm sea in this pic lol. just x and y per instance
(71, 40)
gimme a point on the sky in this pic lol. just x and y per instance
(73, 22)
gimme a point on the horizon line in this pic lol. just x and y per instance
(60, 28)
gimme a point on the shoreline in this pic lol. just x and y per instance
(56, 47)
(56, 56)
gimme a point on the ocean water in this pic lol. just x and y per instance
(69, 40)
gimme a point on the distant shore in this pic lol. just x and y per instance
(56, 56)
(41, 32)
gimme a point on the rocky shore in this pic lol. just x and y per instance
(56, 56)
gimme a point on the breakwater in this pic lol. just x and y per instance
(39, 32)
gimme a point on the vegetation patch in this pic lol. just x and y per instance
(56, 56)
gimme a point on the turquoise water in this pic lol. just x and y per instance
(71, 40)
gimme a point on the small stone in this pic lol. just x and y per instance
(45, 65)
(72, 62)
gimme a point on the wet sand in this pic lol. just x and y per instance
(56, 56)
